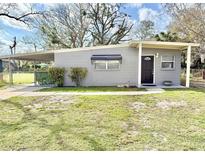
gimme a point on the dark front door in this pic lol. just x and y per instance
(147, 69)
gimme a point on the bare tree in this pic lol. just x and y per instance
(109, 25)
(78, 25)
(188, 21)
(145, 30)
(13, 47)
(22, 13)
(36, 41)
(12, 11)
(66, 26)
(13, 52)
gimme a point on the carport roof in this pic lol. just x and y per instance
(49, 55)
(34, 56)
(162, 45)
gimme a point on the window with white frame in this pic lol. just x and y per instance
(107, 65)
(168, 62)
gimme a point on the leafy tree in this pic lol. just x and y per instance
(166, 36)
(145, 30)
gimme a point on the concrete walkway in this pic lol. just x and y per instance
(28, 90)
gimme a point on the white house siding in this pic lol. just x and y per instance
(162, 75)
(126, 74)
(128, 68)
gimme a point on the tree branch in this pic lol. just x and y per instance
(20, 18)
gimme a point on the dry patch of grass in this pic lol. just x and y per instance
(170, 104)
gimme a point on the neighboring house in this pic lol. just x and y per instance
(136, 63)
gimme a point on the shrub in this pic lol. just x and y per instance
(43, 78)
(57, 75)
(77, 74)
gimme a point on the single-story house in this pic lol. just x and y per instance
(136, 63)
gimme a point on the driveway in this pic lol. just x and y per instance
(30, 90)
(18, 90)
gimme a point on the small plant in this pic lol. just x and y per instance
(77, 74)
(57, 75)
(43, 78)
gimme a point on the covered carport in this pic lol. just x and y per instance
(34, 57)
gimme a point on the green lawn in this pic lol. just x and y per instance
(20, 78)
(2, 84)
(89, 89)
(174, 120)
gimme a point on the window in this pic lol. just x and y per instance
(167, 62)
(113, 65)
(100, 65)
(107, 65)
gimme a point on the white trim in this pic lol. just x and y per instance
(174, 62)
(139, 65)
(188, 66)
(92, 48)
(46, 52)
(179, 44)
(154, 72)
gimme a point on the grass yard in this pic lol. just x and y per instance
(20, 78)
(2, 84)
(174, 120)
(89, 89)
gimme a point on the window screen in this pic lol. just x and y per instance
(113, 65)
(100, 65)
(167, 62)
(107, 65)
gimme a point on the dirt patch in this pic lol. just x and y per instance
(51, 103)
(159, 137)
(138, 105)
(169, 105)
(146, 122)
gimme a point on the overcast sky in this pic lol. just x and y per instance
(138, 12)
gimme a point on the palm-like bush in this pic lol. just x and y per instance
(169, 37)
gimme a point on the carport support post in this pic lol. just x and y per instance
(34, 62)
(139, 65)
(188, 64)
(10, 73)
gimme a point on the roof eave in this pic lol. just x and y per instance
(160, 44)
(37, 56)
